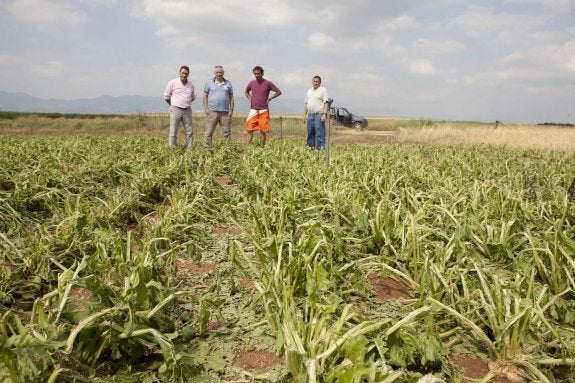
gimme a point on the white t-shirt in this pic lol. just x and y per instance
(315, 98)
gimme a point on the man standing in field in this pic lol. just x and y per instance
(180, 94)
(315, 114)
(258, 92)
(218, 105)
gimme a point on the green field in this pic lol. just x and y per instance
(125, 260)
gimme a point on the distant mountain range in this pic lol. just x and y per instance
(22, 102)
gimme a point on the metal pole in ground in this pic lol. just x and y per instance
(328, 131)
(281, 128)
(571, 191)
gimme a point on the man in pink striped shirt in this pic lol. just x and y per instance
(180, 94)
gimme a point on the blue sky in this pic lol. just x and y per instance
(507, 60)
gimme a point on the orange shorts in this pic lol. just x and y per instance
(258, 120)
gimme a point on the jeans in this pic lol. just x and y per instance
(184, 116)
(315, 131)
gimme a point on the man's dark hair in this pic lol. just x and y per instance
(257, 67)
(319, 78)
(185, 67)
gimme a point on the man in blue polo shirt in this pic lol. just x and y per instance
(218, 105)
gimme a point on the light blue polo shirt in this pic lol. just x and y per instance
(219, 95)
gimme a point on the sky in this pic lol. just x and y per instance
(490, 60)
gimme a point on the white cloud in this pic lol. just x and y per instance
(400, 22)
(251, 19)
(6, 59)
(7, 64)
(420, 66)
(366, 74)
(563, 55)
(98, 3)
(301, 77)
(216, 23)
(438, 46)
(43, 12)
(397, 55)
(508, 49)
(50, 68)
(388, 47)
(556, 6)
(247, 12)
(491, 27)
(320, 40)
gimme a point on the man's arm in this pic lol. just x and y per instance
(277, 93)
(193, 92)
(168, 93)
(205, 98)
(231, 104)
(325, 106)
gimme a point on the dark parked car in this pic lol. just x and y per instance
(341, 116)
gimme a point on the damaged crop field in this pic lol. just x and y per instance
(125, 260)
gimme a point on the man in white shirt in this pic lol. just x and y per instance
(315, 114)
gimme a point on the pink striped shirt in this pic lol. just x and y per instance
(180, 95)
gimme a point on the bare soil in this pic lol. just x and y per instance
(187, 268)
(256, 360)
(474, 368)
(386, 289)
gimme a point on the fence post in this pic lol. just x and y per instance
(571, 192)
(328, 131)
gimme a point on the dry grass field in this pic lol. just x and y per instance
(515, 136)
(291, 127)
